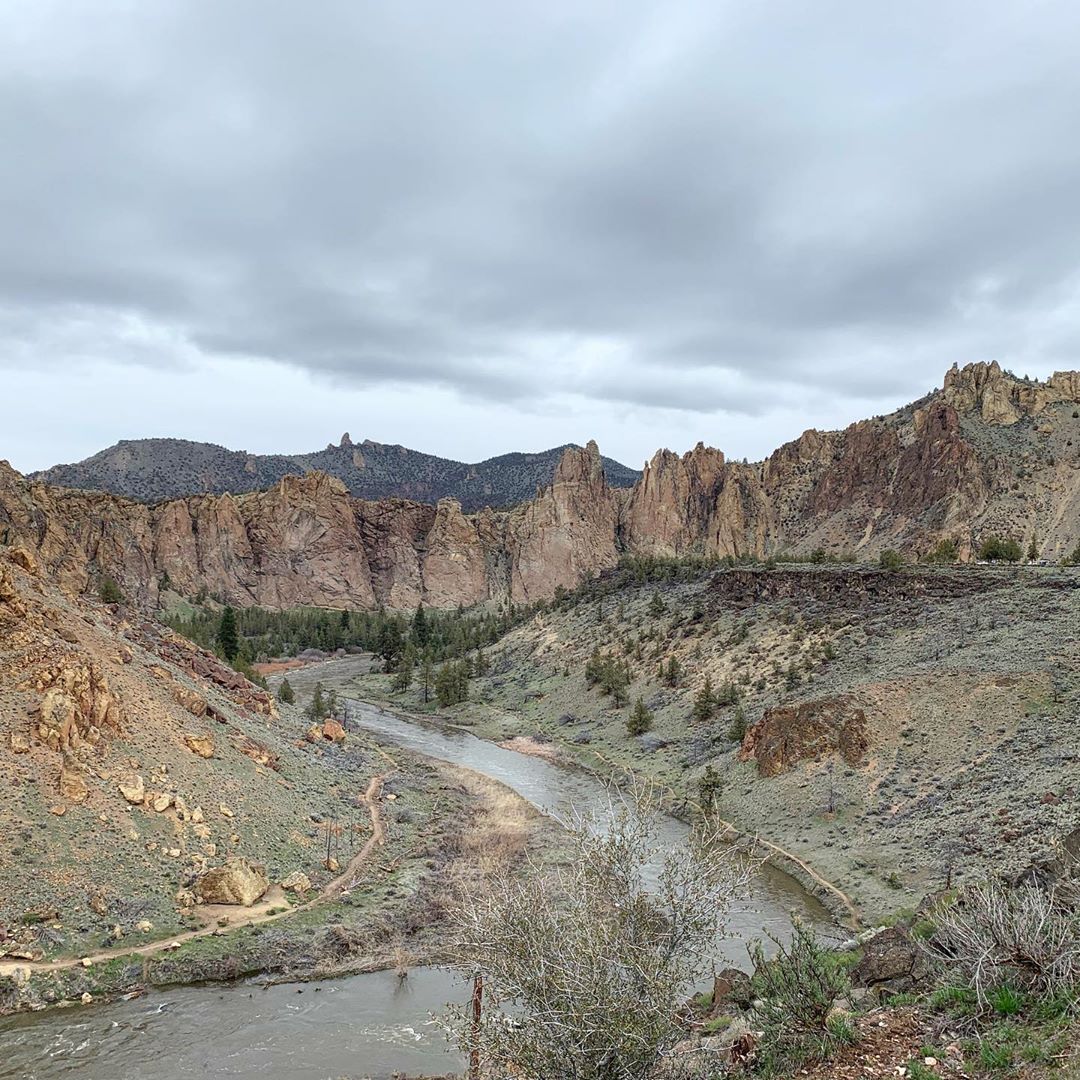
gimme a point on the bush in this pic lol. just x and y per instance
(640, 719)
(109, 591)
(996, 549)
(1024, 938)
(946, 551)
(286, 695)
(891, 560)
(798, 989)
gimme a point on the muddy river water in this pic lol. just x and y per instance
(362, 1026)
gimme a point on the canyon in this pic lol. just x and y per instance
(987, 454)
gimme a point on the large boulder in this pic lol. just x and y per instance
(891, 959)
(788, 734)
(237, 881)
(203, 745)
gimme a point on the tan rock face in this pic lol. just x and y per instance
(788, 734)
(72, 783)
(236, 882)
(906, 480)
(193, 702)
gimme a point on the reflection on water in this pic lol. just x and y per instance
(366, 1025)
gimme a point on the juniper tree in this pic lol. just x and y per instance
(704, 702)
(286, 695)
(640, 719)
(228, 638)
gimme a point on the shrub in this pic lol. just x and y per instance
(997, 549)
(592, 963)
(286, 695)
(640, 719)
(798, 989)
(109, 591)
(946, 551)
(891, 560)
(1022, 937)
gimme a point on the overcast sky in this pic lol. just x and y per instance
(475, 227)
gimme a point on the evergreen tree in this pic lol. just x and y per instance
(286, 695)
(427, 674)
(316, 709)
(228, 638)
(390, 643)
(709, 788)
(452, 683)
(737, 729)
(403, 678)
(656, 606)
(640, 719)
(674, 672)
(421, 632)
(704, 702)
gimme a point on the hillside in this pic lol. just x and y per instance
(987, 456)
(136, 768)
(894, 730)
(153, 470)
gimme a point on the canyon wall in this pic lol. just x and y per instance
(988, 453)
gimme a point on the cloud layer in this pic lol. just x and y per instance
(707, 209)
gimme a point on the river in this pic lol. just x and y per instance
(361, 1026)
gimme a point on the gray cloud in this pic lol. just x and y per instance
(702, 207)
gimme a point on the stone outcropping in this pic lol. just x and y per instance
(237, 881)
(987, 454)
(788, 734)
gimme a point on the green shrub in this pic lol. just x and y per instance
(946, 551)
(109, 591)
(891, 560)
(997, 549)
(798, 988)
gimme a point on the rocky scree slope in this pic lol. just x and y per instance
(153, 470)
(988, 454)
(895, 730)
(133, 764)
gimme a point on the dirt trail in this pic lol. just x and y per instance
(267, 910)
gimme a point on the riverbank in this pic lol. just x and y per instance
(351, 677)
(433, 826)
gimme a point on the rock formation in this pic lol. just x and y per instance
(988, 453)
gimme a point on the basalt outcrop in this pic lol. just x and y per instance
(989, 453)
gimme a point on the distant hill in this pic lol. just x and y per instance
(152, 470)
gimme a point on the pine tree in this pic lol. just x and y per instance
(227, 637)
(737, 729)
(286, 695)
(403, 679)
(704, 702)
(421, 631)
(640, 719)
(709, 788)
(427, 674)
(316, 709)
(390, 643)
(674, 672)
(656, 606)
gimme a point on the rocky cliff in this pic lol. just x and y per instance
(988, 453)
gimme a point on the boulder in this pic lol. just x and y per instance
(72, 784)
(890, 959)
(132, 787)
(20, 744)
(731, 987)
(237, 881)
(298, 881)
(333, 731)
(193, 702)
(203, 745)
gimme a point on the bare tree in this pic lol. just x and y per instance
(584, 967)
